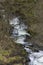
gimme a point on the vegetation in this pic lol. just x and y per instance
(10, 52)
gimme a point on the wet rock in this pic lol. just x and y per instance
(36, 50)
(28, 60)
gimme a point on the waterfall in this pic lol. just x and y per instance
(19, 34)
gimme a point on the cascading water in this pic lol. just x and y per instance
(19, 34)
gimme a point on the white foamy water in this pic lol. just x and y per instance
(28, 50)
(36, 58)
(14, 21)
(20, 40)
(20, 32)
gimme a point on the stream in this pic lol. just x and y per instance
(19, 34)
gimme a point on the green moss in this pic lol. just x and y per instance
(23, 52)
(1, 58)
(11, 59)
(18, 64)
(15, 58)
(5, 52)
